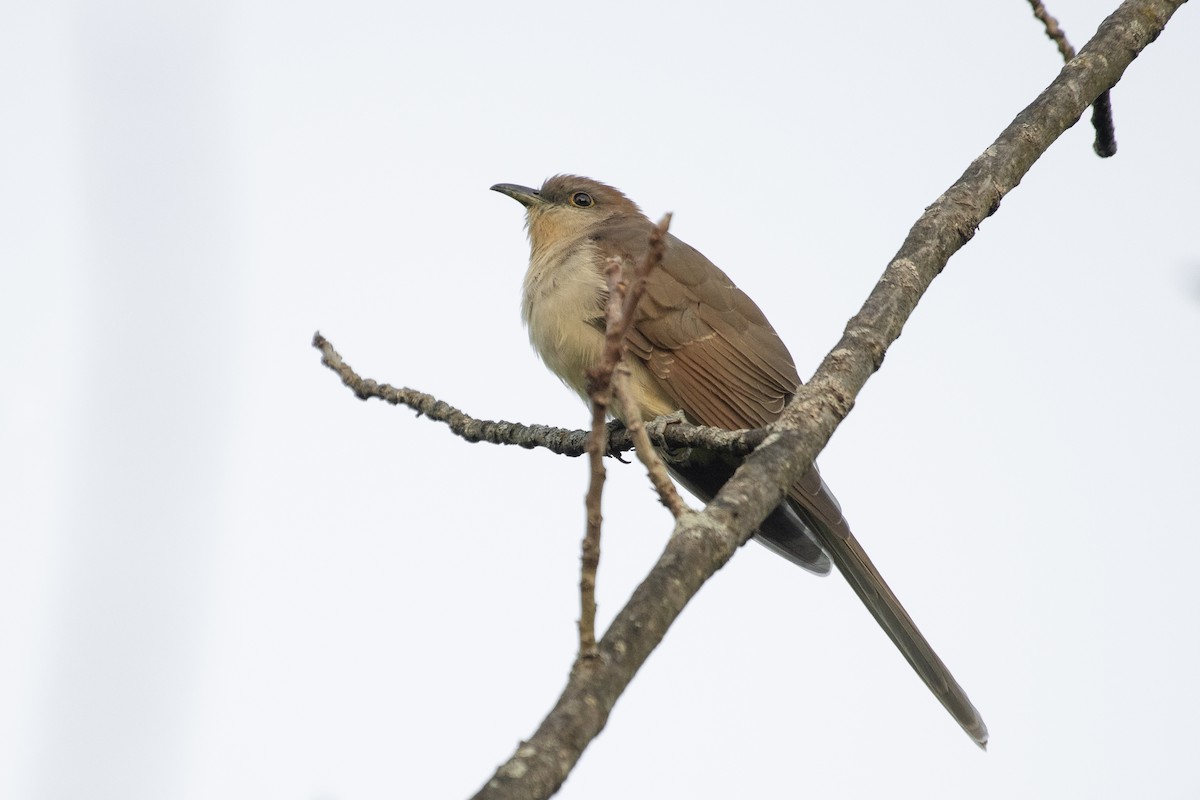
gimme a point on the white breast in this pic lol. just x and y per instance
(563, 293)
(561, 296)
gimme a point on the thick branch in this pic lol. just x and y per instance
(945, 227)
(702, 543)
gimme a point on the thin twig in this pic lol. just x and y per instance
(590, 558)
(599, 380)
(621, 388)
(667, 492)
(624, 293)
(1105, 144)
(1055, 33)
(663, 432)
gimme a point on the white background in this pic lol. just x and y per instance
(221, 576)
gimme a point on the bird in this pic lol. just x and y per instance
(697, 344)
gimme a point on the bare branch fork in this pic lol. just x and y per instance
(1105, 144)
(703, 542)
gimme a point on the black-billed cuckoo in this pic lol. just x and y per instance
(699, 345)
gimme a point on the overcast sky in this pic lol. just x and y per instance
(222, 576)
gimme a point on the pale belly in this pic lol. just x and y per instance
(557, 314)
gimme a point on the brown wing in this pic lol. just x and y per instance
(710, 344)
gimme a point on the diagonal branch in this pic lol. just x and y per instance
(646, 453)
(703, 542)
(1056, 34)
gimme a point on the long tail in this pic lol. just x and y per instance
(811, 522)
(816, 505)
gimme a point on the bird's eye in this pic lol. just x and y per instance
(582, 199)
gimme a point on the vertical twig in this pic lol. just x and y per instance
(624, 293)
(667, 492)
(596, 446)
(1102, 120)
(646, 453)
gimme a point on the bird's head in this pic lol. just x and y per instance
(566, 207)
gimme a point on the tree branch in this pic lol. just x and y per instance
(663, 432)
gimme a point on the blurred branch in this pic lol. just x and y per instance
(1105, 144)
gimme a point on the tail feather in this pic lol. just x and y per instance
(809, 530)
(815, 504)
